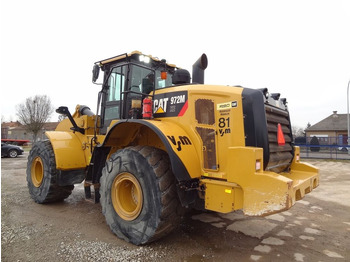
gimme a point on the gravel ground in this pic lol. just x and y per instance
(317, 228)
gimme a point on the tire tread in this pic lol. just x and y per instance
(55, 193)
(168, 218)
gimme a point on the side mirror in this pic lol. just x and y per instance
(63, 110)
(95, 72)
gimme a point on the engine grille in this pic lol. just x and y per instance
(280, 156)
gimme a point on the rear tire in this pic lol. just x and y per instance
(42, 173)
(138, 194)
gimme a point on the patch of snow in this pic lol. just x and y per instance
(263, 248)
(306, 203)
(276, 217)
(312, 231)
(254, 228)
(273, 241)
(255, 257)
(284, 233)
(332, 254)
(306, 238)
(299, 257)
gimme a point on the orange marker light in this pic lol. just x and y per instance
(163, 75)
(280, 137)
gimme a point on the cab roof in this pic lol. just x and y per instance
(134, 54)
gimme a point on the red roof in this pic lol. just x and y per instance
(11, 124)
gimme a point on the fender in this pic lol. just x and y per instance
(68, 150)
(178, 144)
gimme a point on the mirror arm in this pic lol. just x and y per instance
(63, 110)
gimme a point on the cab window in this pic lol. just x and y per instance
(161, 83)
(142, 80)
(116, 84)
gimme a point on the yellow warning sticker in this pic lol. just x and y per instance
(159, 111)
(227, 105)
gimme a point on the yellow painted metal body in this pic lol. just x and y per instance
(188, 125)
(261, 192)
(233, 180)
(73, 149)
(222, 196)
(68, 149)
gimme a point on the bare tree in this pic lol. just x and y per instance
(297, 131)
(34, 113)
(61, 117)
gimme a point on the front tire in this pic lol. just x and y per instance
(13, 153)
(42, 174)
(138, 194)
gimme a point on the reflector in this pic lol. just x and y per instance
(280, 136)
(257, 165)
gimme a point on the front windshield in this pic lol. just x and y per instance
(161, 83)
(143, 80)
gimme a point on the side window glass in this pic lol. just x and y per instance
(116, 82)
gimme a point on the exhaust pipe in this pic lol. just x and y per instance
(198, 69)
(85, 110)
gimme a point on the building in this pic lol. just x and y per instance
(15, 130)
(331, 130)
(11, 130)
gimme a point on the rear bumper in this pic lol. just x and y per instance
(258, 192)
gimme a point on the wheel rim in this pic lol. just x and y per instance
(37, 171)
(127, 197)
(13, 153)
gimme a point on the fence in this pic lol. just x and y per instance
(323, 147)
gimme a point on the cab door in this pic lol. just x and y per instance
(111, 104)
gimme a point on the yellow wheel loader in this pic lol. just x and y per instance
(160, 143)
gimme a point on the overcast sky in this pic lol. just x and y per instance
(298, 48)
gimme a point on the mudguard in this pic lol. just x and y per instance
(68, 150)
(179, 145)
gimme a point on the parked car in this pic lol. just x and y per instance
(8, 150)
(343, 148)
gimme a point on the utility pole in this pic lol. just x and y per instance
(348, 120)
